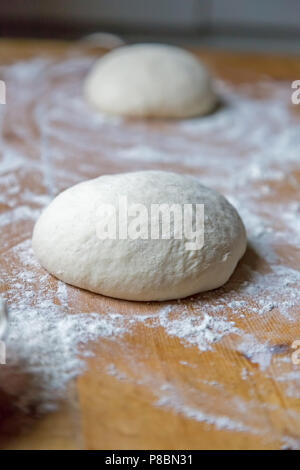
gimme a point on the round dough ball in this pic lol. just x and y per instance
(67, 243)
(150, 80)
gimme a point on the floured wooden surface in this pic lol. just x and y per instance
(212, 371)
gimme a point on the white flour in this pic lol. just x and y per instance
(247, 149)
(198, 330)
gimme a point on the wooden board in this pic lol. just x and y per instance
(119, 401)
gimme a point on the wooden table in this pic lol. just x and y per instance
(119, 411)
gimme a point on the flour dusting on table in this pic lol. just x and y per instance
(248, 149)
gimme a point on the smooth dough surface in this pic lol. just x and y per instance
(150, 80)
(66, 243)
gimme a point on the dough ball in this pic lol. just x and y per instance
(67, 243)
(150, 80)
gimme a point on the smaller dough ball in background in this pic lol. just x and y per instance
(102, 40)
(150, 80)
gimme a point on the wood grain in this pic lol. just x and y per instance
(119, 411)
